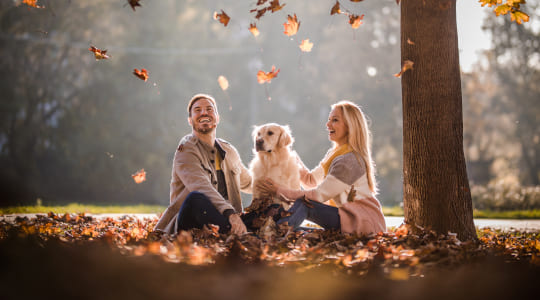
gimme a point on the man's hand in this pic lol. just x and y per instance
(237, 226)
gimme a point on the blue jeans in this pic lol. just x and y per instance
(197, 210)
(321, 214)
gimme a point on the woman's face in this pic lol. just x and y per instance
(337, 129)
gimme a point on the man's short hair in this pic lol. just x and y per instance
(198, 97)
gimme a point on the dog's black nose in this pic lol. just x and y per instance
(259, 145)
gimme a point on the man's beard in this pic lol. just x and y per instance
(204, 129)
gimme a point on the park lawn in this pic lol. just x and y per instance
(388, 211)
(83, 208)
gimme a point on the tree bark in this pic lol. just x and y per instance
(436, 189)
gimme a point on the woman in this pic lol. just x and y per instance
(345, 175)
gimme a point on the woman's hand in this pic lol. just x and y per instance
(267, 187)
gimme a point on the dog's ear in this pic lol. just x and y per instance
(285, 137)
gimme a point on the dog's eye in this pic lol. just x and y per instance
(270, 132)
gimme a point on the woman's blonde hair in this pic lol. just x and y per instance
(359, 137)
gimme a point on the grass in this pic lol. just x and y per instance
(86, 208)
(481, 214)
(513, 214)
(157, 209)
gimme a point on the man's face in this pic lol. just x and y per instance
(204, 117)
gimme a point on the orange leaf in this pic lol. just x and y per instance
(274, 5)
(355, 21)
(410, 42)
(357, 0)
(335, 9)
(397, 2)
(263, 77)
(142, 74)
(253, 29)
(139, 177)
(306, 46)
(134, 3)
(223, 82)
(406, 66)
(32, 3)
(292, 25)
(223, 18)
(98, 53)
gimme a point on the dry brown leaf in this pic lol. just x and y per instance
(263, 77)
(134, 3)
(223, 82)
(32, 3)
(142, 74)
(139, 176)
(335, 9)
(406, 66)
(253, 29)
(98, 53)
(292, 25)
(306, 46)
(222, 17)
(355, 21)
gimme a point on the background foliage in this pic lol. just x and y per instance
(73, 129)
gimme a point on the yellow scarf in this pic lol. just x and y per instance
(327, 161)
(343, 149)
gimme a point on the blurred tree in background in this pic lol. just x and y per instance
(73, 129)
(502, 107)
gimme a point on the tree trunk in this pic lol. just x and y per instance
(436, 189)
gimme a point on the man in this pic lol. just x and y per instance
(207, 176)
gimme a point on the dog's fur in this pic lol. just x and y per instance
(274, 158)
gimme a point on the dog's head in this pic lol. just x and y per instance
(271, 137)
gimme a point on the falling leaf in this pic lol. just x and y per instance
(292, 25)
(263, 77)
(253, 29)
(335, 9)
(134, 3)
(406, 66)
(98, 53)
(223, 82)
(306, 46)
(274, 5)
(410, 42)
(397, 2)
(32, 3)
(139, 177)
(222, 17)
(357, 0)
(355, 21)
(260, 12)
(142, 74)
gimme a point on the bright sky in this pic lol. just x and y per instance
(470, 15)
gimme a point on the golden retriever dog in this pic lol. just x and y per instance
(274, 159)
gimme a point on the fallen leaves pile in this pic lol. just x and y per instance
(396, 254)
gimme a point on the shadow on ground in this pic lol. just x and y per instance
(33, 269)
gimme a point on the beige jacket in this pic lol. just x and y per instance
(194, 170)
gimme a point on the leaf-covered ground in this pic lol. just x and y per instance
(85, 257)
